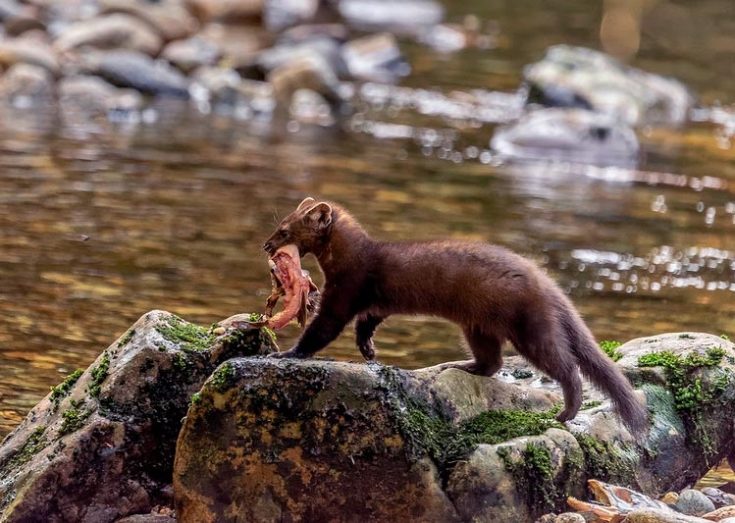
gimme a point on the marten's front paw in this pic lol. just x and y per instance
(367, 350)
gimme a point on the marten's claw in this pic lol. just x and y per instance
(291, 353)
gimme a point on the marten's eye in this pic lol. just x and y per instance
(282, 233)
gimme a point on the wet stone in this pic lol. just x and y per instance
(568, 135)
(114, 31)
(693, 503)
(29, 51)
(579, 77)
(406, 16)
(138, 71)
(719, 497)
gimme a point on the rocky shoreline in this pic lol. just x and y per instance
(283, 440)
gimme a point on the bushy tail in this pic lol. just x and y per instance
(601, 370)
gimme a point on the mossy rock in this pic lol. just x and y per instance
(101, 445)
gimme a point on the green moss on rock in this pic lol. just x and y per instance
(610, 348)
(61, 390)
(533, 475)
(35, 443)
(99, 374)
(695, 394)
(604, 460)
(187, 335)
(196, 398)
(73, 418)
(429, 432)
(223, 377)
(495, 426)
(126, 338)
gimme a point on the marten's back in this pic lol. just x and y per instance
(454, 279)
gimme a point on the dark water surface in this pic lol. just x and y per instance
(98, 228)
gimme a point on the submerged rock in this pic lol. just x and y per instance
(85, 98)
(568, 135)
(319, 440)
(114, 31)
(579, 77)
(101, 445)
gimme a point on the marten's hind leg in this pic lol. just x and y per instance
(538, 344)
(486, 348)
(365, 326)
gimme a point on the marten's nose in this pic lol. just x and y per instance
(268, 247)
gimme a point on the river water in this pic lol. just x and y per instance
(99, 226)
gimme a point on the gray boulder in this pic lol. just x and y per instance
(568, 135)
(101, 445)
(319, 440)
(579, 77)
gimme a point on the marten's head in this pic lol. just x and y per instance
(308, 227)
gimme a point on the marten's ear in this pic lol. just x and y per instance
(320, 215)
(307, 201)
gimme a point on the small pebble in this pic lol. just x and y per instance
(693, 503)
(670, 498)
(569, 517)
(719, 497)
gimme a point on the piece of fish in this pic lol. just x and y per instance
(294, 284)
(613, 503)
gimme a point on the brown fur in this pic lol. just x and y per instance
(492, 293)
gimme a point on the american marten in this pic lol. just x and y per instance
(492, 293)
